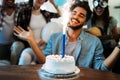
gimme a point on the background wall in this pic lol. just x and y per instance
(115, 11)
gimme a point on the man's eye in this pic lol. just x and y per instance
(82, 16)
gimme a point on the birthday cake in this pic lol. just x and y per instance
(57, 65)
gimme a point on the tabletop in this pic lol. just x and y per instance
(30, 72)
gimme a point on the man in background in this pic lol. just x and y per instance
(8, 18)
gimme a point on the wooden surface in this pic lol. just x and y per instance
(15, 72)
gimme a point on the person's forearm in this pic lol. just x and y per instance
(39, 54)
(57, 8)
(112, 58)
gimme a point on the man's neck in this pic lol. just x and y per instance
(73, 35)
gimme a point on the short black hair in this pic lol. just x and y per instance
(83, 4)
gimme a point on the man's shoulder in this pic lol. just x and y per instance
(91, 39)
(91, 36)
(57, 34)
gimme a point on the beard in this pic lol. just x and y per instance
(76, 27)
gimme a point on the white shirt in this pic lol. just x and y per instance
(37, 22)
(7, 31)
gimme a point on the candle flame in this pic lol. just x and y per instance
(65, 21)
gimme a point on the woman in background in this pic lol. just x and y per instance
(36, 18)
(108, 24)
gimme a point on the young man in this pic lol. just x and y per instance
(86, 48)
(8, 18)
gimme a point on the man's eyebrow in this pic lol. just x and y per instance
(83, 14)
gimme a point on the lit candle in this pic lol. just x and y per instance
(63, 40)
(65, 22)
(63, 46)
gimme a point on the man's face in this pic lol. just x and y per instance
(77, 18)
(9, 4)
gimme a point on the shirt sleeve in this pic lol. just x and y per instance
(99, 57)
(48, 49)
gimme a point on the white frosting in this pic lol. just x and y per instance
(57, 65)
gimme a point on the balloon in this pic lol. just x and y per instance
(60, 2)
(49, 29)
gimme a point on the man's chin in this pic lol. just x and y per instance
(76, 27)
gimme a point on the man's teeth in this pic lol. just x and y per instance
(73, 20)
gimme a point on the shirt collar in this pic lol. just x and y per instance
(81, 36)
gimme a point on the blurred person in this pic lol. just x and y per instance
(86, 48)
(8, 18)
(101, 18)
(36, 18)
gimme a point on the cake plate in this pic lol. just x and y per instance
(47, 75)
